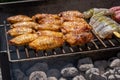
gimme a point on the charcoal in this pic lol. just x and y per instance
(18, 74)
(107, 73)
(115, 63)
(95, 76)
(62, 78)
(85, 64)
(92, 71)
(53, 72)
(117, 76)
(38, 75)
(51, 78)
(111, 77)
(37, 67)
(79, 77)
(117, 70)
(101, 64)
(69, 72)
(26, 65)
(118, 55)
(68, 65)
(25, 78)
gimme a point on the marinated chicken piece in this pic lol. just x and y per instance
(51, 27)
(18, 18)
(47, 18)
(50, 33)
(23, 39)
(46, 42)
(70, 15)
(74, 26)
(19, 31)
(78, 38)
(25, 24)
(48, 21)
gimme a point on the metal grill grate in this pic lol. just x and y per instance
(24, 53)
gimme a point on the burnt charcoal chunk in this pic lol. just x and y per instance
(69, 72)
(51, 78)
(85, 64)
(97, 77)
(38, 75)
(18, 74)
(37, 67)
(115, 63)
(68, 65)
(101, 64)
(80, 77)
(53, 72)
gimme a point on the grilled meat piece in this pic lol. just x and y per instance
(75, 26)
(48, 21)
(50, 33)
(25, 24)
(70, 15)
(18, 18)
(116, 13)
(51, 27)
(19, 31)
(46, 42)
(23, 39)
(78, 38)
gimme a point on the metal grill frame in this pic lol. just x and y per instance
(72, 52)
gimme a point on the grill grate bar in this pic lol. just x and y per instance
(111, 43)
(95, 45)
(27, 52)
(99, 39)
(17, 51)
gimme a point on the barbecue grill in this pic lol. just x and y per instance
(14, 55)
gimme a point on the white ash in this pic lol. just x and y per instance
(115, 63)
(18, 74)
(53, 72)
(52, 78)
(38, 75)
(69, 72)
(38, 67)
(111, 77)
(85, 64)
(79, 77)
(92, 71)
(62, 78)
(117, 77)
